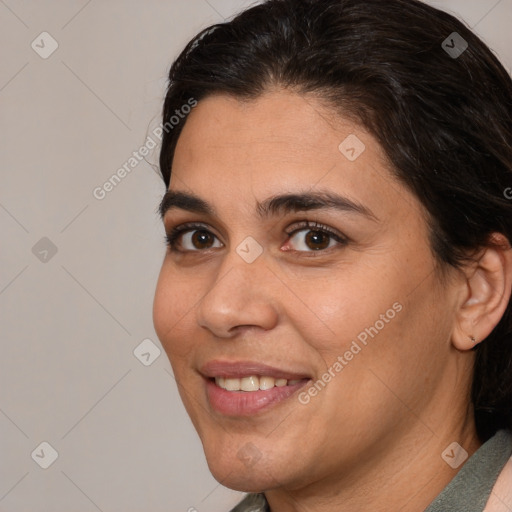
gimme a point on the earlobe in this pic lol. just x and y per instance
(488, 283)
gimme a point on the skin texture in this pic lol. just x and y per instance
(373, 437)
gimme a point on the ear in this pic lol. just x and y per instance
(486, 293)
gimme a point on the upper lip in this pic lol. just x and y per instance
(240, 369)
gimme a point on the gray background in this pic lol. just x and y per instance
(70, 321)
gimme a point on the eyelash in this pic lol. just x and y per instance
(172, 237)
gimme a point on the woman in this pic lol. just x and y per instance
(335, 299)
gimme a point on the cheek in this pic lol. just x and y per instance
(368, 315)
(173, 308)
(330, 313)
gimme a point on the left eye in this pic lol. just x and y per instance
(314, 239)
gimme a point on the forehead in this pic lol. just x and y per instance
(279, 142)
(277, 125)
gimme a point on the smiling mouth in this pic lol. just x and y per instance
(253, 383)
(250, 395)
(248, 388)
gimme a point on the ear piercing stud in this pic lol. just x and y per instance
(473, 340)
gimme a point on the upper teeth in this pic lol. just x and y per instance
(252, 383)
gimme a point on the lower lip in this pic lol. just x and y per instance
(246, 403)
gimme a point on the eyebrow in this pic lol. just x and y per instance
(272, 206)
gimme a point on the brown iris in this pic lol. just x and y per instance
(317, 240)
(202, 239)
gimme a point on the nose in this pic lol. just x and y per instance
(242, 295)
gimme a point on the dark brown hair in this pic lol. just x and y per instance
(444, 121)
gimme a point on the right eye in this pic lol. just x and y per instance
(192, 238)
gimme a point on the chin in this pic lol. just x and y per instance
(242, 467)
(242, 479)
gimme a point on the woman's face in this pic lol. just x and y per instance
(305, 276)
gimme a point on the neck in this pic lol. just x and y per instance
(407, 478)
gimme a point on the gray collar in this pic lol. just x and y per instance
(253, 503)
(471, 487)
(469, 490)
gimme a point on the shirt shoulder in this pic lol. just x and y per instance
(500, 499)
